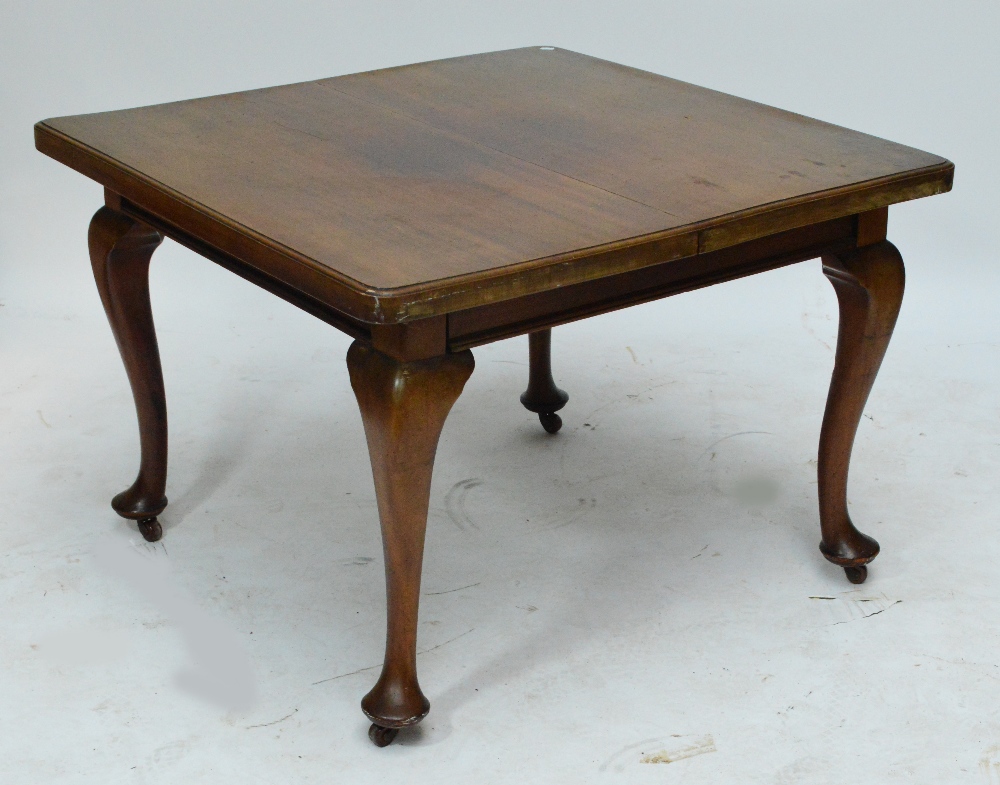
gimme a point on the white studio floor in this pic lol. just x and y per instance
(637, 599)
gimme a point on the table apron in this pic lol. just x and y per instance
(509, 318)
(332, 316)
(506, 319)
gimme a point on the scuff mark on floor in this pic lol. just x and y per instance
(701, 746)
(373, 667)
(989, 765)
(345, 675)
(568, 514)
(805, 323)
(357, 561)
(449, 591)
(672, 749)
(275, 722)
(452, 640)
(620, 759)
(995, 676)
(454, 503)
(853, 608)
(732, 436)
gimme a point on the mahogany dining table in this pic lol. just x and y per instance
(429, 209)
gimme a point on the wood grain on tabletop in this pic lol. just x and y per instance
(491, 169)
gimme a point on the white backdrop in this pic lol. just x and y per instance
(264, 433)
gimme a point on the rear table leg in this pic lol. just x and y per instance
(542, 395)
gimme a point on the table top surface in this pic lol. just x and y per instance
(412, 191)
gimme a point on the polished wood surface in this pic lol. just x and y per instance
(403, 407)
(120, 250)
(428, 209)
(427, 189)
(869, 284)
(542, 396)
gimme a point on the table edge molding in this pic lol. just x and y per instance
(441, 296)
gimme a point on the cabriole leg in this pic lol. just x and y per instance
(869, 283)
(403, 406)
(120, 250)
(542, 395)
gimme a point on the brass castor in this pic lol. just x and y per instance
(382, 737)
(550, 421)
(150, 529)
(856, 574)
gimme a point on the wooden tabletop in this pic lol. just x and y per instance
(415, 191)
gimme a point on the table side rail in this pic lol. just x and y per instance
(322, 311)
(496, 321)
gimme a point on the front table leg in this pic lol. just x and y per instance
(403, 406)
(869, 284)
(120, 250)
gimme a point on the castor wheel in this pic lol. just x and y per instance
(150, 529)
(550, 421)
(856, 574)
(382, 737)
